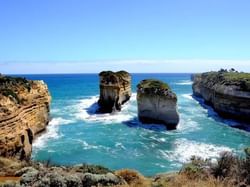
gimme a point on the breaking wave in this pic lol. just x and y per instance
(86, 111)
(185, 149)
(184, 82)
(52, 132)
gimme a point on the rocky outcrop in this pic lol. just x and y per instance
(157, 103)
(227, 92)
(115, 90)
(24, 112)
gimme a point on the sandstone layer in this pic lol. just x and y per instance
(157, 103)
(24, 112)
(227, 92)
(115, 90)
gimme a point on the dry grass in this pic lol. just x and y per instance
(133, 178)
(229, 170)
(10, 166)
(182, 180)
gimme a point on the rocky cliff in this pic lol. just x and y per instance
(157, 103)
(227, 92)
(24, 112)
(115, 90)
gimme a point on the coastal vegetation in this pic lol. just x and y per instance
(153, 83)
(153, 86)
(10, 81)
(228, 170)
(9, 87)
(111, 73)
(231, 77)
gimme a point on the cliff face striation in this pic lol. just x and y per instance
(24, 112)
(115, 90)
(227, 92)
(157, 103)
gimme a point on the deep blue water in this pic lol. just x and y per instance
(77, 135)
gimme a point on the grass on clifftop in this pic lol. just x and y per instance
(225, 77)
(9, 86)
(153, 84)
(118, 73)
(234, 76)
(7, 82)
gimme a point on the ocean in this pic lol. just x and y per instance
(77, 135)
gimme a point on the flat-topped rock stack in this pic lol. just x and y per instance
(157, 103)
(228, 92)
(24, 112)
(115, 90)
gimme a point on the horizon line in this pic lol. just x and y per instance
(94, 73)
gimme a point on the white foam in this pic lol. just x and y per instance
(120, 145)
(52, 132)
(188, 96)
(185, 149)
(187, 125)
(160, 165)
(87, 146)
(86, 108)
(184, 82)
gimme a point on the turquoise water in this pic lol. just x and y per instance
(77, 135)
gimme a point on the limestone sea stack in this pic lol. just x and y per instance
(228, 92)
(24, 112)
(157, 103)
(115, 90)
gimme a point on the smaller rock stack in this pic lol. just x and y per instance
(157, 103)
(115, 90)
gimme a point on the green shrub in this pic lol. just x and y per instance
(10, 93)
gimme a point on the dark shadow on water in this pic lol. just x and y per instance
(213, 114)
(135, 123)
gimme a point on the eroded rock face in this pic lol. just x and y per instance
(227, 92)
(157, 103)
(115, 90)
(24, 112)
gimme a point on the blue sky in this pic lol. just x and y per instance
(64, 34)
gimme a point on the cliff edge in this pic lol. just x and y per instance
(24, 112)
(228, 92)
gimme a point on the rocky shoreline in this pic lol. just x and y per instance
(228, 92)
(228, 170)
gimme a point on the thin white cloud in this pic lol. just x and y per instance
(133, 66)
